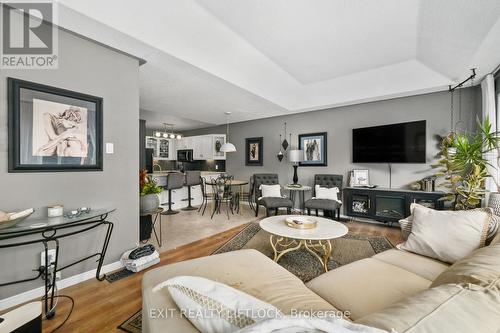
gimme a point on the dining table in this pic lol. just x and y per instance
(233, 183)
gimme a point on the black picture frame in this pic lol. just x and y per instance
(258, 145)
(57, 96)
(323, 149)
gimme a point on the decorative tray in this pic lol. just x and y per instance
(301, 222)
(8, 220)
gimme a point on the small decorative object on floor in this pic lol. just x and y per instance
(141, 258)
(142, 251)
(10, 219)
(149, 201)
(301, 222)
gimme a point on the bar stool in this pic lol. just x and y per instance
(175, 180)
(192, 179)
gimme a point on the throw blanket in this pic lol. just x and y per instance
(309, 325)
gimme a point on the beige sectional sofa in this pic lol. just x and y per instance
(391, 290)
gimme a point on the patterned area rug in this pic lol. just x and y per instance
(133, 324)
(301, 263)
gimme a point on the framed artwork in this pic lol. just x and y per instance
(315, 149)
(254, 151)
(360, 177)
(53, 129)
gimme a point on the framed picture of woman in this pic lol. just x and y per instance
(254, 151)
(53, 129)
(315, 150)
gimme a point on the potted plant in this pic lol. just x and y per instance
(463, 165)
(148, 190)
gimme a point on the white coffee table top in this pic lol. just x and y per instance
(325, 229)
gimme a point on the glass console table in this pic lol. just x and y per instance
(50, 230)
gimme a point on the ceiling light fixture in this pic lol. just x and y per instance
(227, 147)
(168, 133)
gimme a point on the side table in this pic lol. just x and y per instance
(300, 190)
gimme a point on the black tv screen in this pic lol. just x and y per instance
(395, 143)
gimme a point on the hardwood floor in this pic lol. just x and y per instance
(102, 306)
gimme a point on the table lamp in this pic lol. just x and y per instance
(295, 156)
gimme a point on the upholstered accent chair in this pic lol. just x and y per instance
(269, 203)
(326, 205)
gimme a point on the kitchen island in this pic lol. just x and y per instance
(179, 196)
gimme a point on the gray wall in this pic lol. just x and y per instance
(339, 122)
(87, 68)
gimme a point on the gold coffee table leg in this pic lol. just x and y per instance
(282, 246)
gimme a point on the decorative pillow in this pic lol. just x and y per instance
(447, 235)
(309, 325)
(327, 193)
(406, 224)
(482, 267)
(270, 191)
(493, 230)
(214, 307)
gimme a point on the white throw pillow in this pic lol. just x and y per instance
(447, 235)
(270, 191)
(327, 193)
(309, 325)
(214, 307)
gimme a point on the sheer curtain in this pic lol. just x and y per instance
(490, 111)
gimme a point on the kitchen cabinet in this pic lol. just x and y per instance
(202, 147)
(163, 149)
(205, 147)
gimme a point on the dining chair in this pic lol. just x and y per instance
(206, 193)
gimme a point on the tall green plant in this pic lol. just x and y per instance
(463, 167)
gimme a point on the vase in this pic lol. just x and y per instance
(494, 202)
(149, 204)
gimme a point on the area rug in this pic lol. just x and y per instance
(301, 263)
(133, 324)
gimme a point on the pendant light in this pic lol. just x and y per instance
(227, 147)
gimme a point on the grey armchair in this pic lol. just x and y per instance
(268, 203)
(326, 205)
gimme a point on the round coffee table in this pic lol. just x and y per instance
(285, 239)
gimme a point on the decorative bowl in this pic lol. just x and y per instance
(12, 222)
(301, 222)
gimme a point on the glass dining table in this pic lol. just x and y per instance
(232, 183)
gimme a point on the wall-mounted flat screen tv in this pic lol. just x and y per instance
(395, 143)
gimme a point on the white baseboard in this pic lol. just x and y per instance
(64, 283)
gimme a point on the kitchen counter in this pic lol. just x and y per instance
(166, 172)
(180, 195)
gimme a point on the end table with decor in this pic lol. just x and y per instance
(295, 189)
